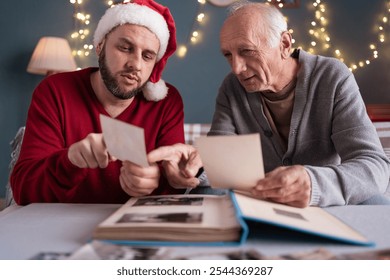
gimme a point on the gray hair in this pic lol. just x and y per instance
(273, 20)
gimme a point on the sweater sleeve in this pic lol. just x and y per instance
(363, 170)
(43, 172)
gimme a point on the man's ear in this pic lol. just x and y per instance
(285, 44)
(99, 47)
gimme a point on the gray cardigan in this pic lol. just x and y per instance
(330, 132)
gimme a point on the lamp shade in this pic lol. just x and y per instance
(52, 54)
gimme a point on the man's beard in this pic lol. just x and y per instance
(111, 83)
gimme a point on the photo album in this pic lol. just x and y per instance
(231, 162)
(214, 220)
(173, 218)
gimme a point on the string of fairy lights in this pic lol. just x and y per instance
(320, 41)
(195, 34)
(80, 36)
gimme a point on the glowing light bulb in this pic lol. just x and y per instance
(200, 17)
(182, 51)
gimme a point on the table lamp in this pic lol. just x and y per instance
(51, 55)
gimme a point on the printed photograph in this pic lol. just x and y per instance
(157, 201)
(289, 214)
(190, 218)
(99, 250)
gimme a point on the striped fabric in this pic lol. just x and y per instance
(194, 130)
(383, 130)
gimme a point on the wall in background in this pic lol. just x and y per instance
(197, 75)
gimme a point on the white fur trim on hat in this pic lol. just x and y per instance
(134, 14)
(155, 91)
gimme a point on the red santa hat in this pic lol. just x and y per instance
(157, 19)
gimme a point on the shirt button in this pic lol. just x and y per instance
(268, 133)
(287, 161)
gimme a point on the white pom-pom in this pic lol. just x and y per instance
(155, 91)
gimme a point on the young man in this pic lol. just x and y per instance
(319, 146)
(63, 156)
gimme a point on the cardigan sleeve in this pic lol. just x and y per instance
(363, 170)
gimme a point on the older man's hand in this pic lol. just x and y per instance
(288, 185)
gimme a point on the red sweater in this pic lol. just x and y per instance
(64, 110)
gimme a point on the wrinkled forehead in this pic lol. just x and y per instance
(243, 24)
(243, 19)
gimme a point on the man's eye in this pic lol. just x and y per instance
(148, 56)
(124, 48)
(247, 52)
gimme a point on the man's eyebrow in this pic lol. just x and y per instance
(125, 40)
(222, 50)
(128, 41)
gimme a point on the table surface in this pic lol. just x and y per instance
(63, 228)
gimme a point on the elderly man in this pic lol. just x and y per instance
(63, 156)
(319, 146)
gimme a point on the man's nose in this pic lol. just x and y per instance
(238, 65)
(134, 61)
